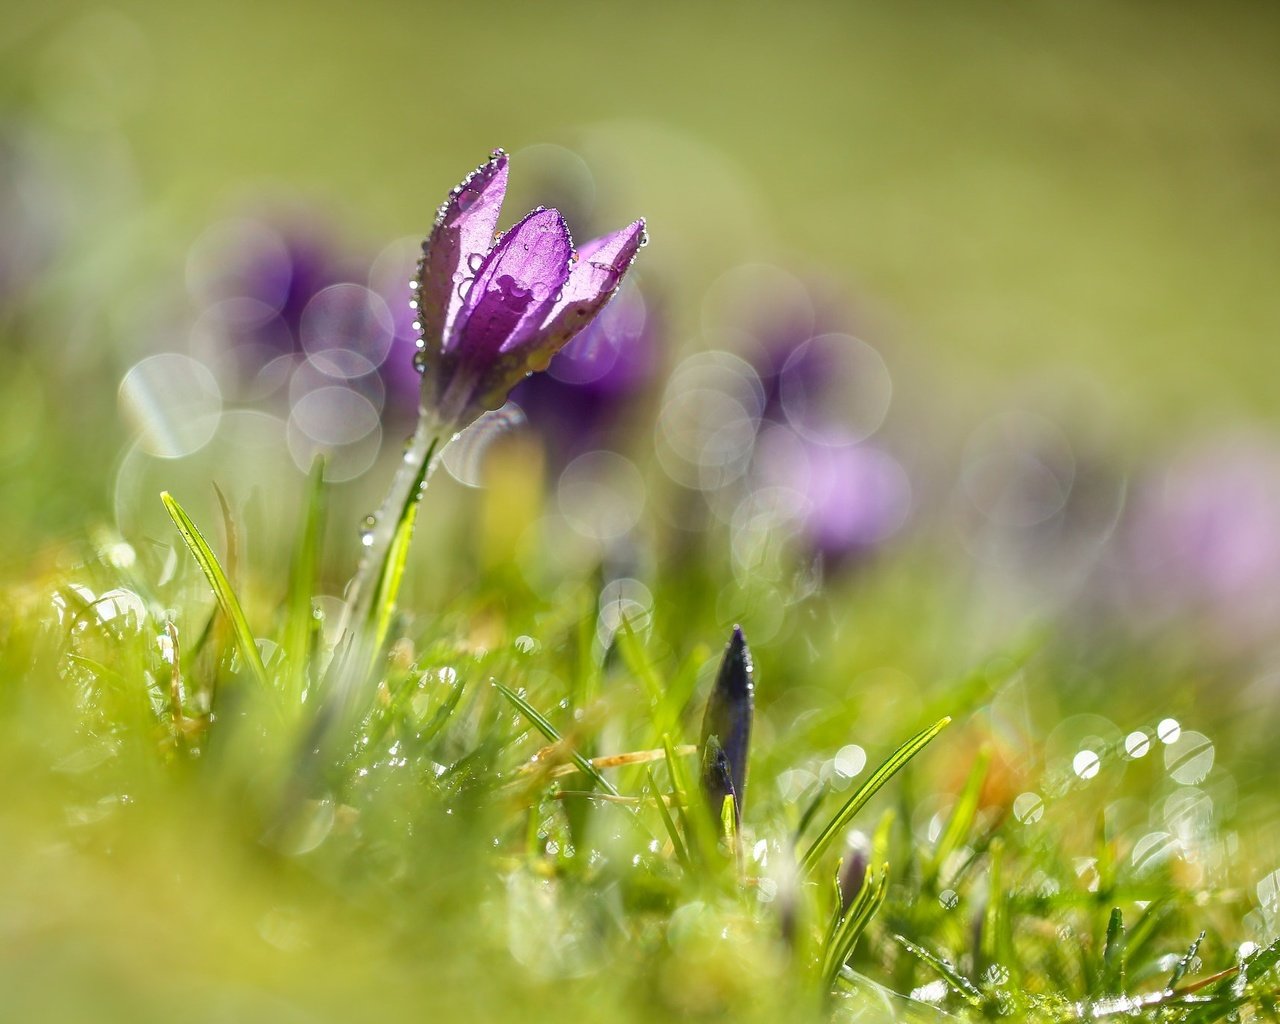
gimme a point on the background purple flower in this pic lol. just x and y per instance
(590, 390)
(1204, 540)
(848, 499)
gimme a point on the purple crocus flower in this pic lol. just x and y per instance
(492, 312)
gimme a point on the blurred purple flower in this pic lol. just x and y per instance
(1205, 539)
(491, 313)
(847, 499)
(584, 397)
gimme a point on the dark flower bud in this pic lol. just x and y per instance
(726, 728)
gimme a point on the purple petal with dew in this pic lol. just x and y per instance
(514, 288)
(462, 235)
(596, 275)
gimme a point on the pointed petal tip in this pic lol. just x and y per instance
(737, 637)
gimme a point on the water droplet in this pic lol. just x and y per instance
(1028, 808)
(996, 974)
(527, 644)
(1137, 744)
(474, 261)
(949, 899)
(1189, 759)
(1168, 731)
(366, 530)
(1086, 764)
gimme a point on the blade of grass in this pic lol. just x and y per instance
(551, 733)
(897, 760)
(1113, 956)
(961, 985)
(668, 822)
(1184, 964)
(218, 582)
(864, 907)
(962, 816)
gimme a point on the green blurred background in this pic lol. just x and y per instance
(1027, 188)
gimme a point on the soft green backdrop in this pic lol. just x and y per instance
(1025, 188)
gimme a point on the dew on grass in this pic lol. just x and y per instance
(1154, 849)
(1268, 891)
(526, 644)
(70, 607)
(949, 899)
(120, 608)
(1028, 808)
(1188, 757)
(933, 992)
(1137, 744)
(1086, 764)
(1168, 731)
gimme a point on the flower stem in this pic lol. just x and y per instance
(371, 596)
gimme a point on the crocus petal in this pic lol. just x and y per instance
(592, 281)
(463, 233)
(514, 288)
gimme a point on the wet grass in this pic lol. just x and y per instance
(515, 818)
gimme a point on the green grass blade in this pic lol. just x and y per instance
(961, 985)
(552, 734)
(222, 591)
(897, 760)
(1184, 964)
(1113, 955)
(962, 816)
(668, 822)
(845, 936)
(384, 604)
